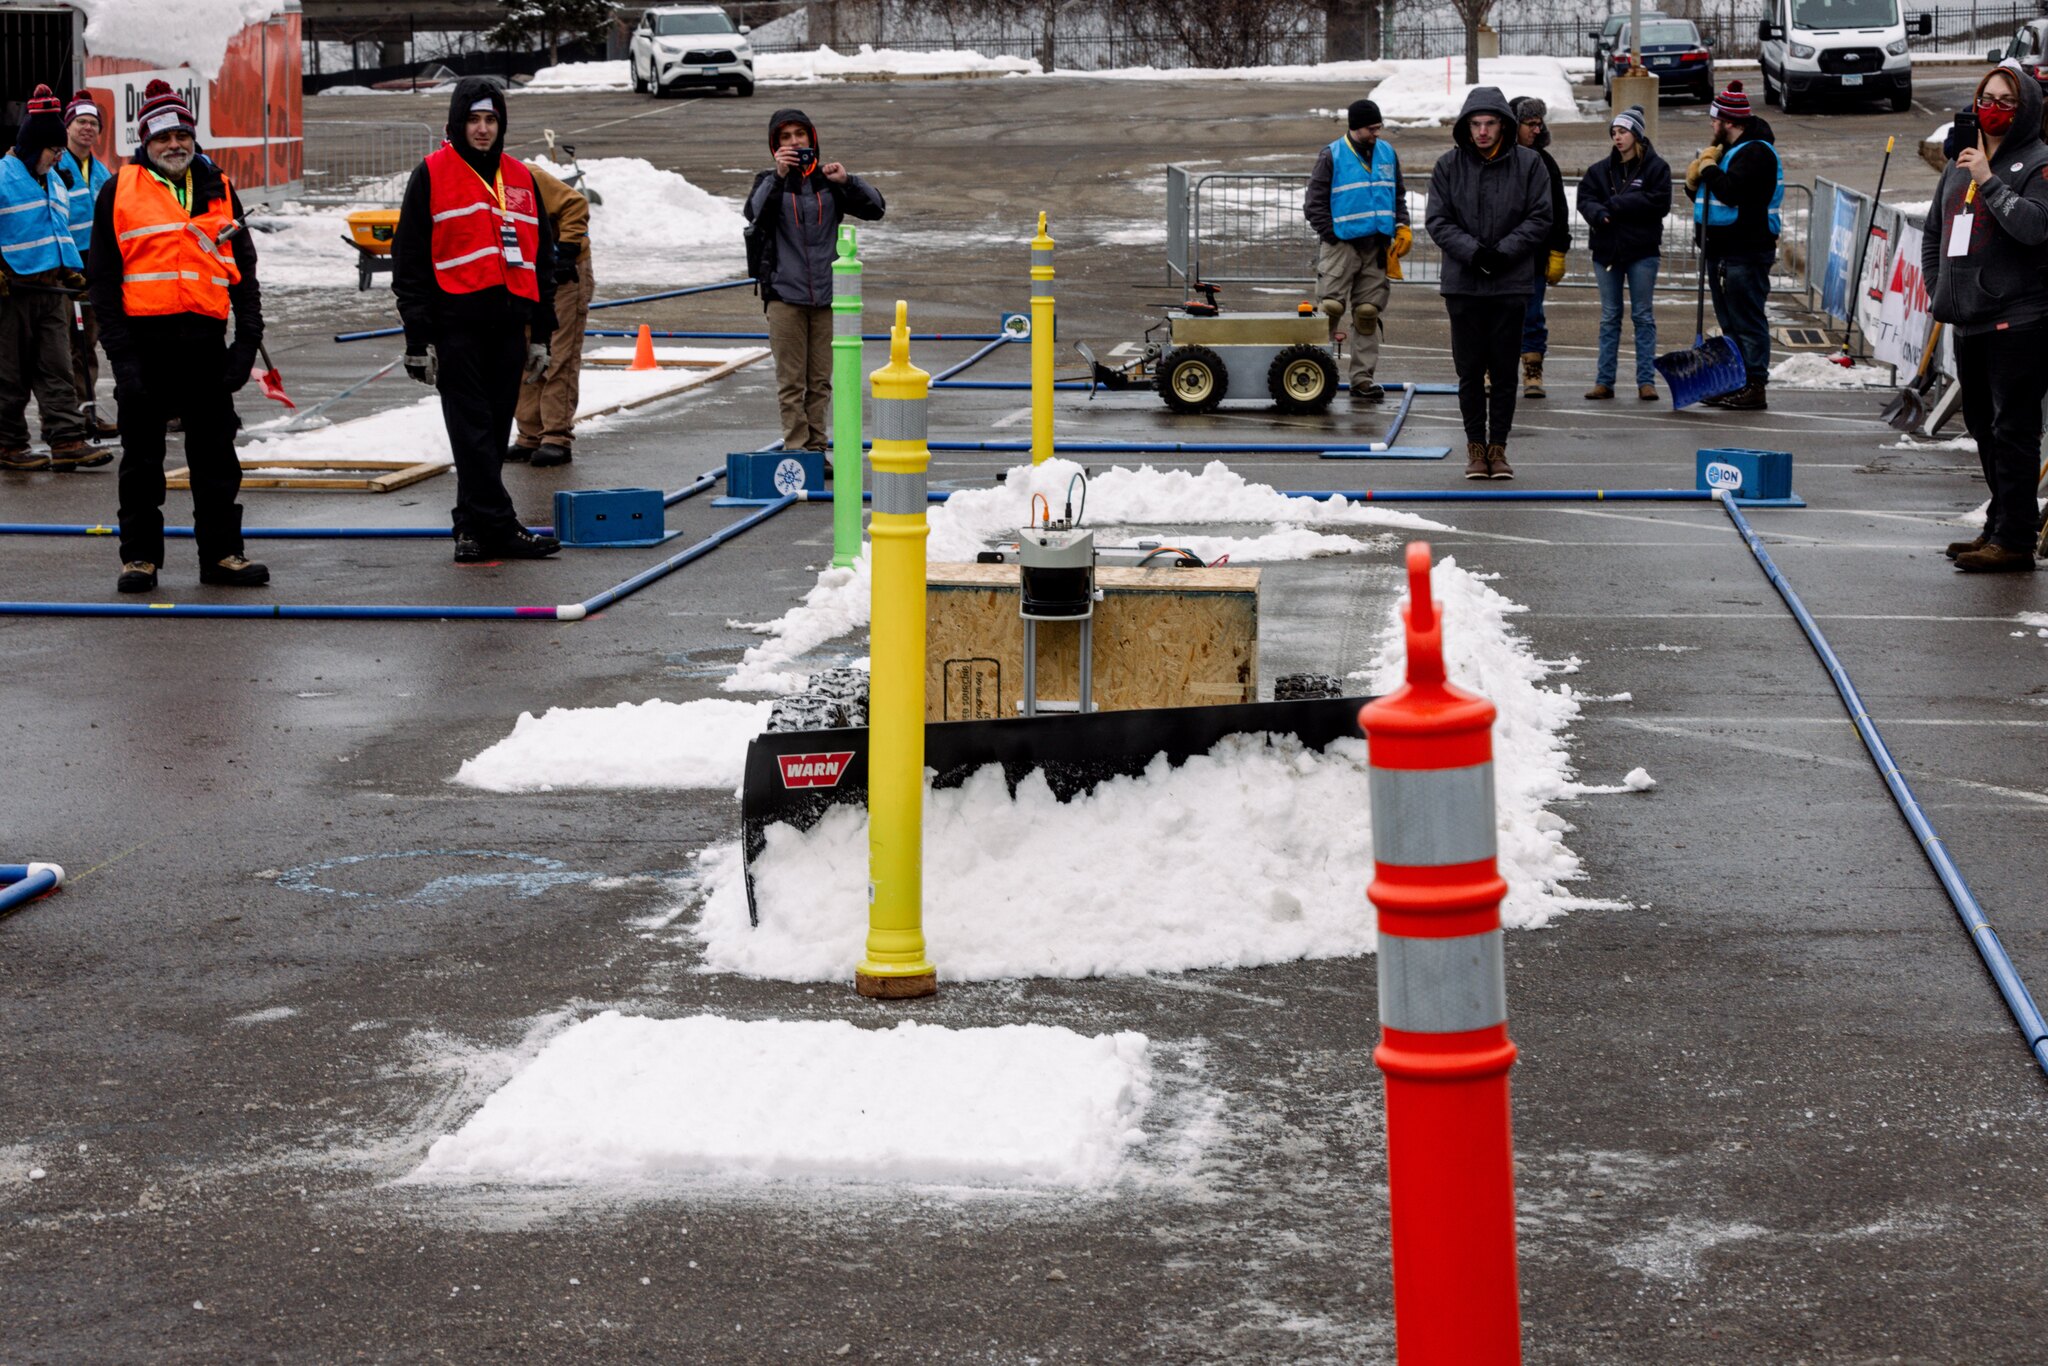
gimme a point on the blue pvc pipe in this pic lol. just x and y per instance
(609, 303)
(975, 359)
(2011, 986)
(27, 888)
(683, 557)
(763, 336)
(13, 872)
(1505, 495)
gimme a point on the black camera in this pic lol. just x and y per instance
(806, 158)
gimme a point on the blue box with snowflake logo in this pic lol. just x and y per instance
(764, 476)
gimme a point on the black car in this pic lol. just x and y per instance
(1673, 51)
(1603, 36)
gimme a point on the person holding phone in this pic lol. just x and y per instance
(1982, 261)
(793, 215)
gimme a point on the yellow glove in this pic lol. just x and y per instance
(1553, 271)
(1403, 243)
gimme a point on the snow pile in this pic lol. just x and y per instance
(1909, 442)
(1420, 93)
(349, 90)
(1258, 852)
(170, 33)
(626, 1099)
(653, 744)
(972, 519)
(656, 228)
(664, 354)
(824, 64)
(583, 76)
(1810, 370)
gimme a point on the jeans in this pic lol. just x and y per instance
(2003, 380)
(1536, 327)
(1640, 279)
(1740, 285)
(1484, 331)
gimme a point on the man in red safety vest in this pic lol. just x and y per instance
(170, 263)
(473, 266)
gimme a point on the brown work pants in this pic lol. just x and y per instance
(1352, 283)
(801, 340)
(35, 357)
(547, 410)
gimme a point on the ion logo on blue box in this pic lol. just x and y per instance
(764, 476)
(1752, 476)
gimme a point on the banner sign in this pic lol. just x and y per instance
(127, 88)
(1902, 318)
(1834, 289)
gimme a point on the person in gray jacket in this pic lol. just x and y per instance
(1490, 216)
(1982, 260)
(793, 214)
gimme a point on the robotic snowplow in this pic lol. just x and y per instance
(1204, 354)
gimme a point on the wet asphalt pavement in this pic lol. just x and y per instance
(1774, 1111)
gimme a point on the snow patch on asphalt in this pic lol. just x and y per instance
(269, 1015)
(651, 744)
(1674, 1253)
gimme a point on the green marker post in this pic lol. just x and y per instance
(846, 392)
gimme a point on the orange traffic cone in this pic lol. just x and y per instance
(643, 350)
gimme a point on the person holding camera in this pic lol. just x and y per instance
(793, 215)
(1982, 261)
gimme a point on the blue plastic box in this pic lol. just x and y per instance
(764, 476)
(609, 517)
(1752, 476)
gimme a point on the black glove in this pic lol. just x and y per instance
(72, 279)
(424, 366)
(128, 385)
(565, 272)
(1487, 261)
(241, 360)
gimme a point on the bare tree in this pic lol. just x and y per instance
(1473, 13)
(1351, 30)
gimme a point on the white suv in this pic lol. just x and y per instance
(684, 45)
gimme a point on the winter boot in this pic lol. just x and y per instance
(1367, 392)
(1996, 559)
(1647, 392)
(23, 460)
(521, 544)
(1599, 392)
(1956, 548)
(550, 455)
(1748, 399)
(1476, 466)
(1497, 462)
(77, 455)
(469, 550)
(1532, 374)
(137, 576)
(232, 571)
(516, 454)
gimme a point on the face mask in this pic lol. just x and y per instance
(1994, 120)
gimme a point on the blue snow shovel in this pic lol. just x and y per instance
(1712, 367)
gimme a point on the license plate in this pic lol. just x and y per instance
(1852, 80)
(1661, 61)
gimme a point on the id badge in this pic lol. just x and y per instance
(1959, 234)
(509, 236)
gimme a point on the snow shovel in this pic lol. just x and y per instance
(272, 382)
(1908, 407)
(1712, 367)
(794, 777)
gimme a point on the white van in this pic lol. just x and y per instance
(1854, 48)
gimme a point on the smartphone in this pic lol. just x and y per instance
(1965, 131)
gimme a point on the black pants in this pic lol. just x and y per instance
(2003, 382)
(1486, 344)
(185, 381)
(479, 385)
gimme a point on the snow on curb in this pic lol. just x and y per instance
(652, 744)
(1809, 370)
(823, 64)
(1255, 853)
(626, 1099)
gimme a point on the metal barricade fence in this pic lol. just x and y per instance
(1236, 227)
(358, 162)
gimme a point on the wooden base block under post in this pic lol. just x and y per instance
(896, 988)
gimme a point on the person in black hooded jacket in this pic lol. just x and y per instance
(1532, 130)
(1737, 183)
(473, 269)
(1984, 267)
(1625, 199)
(793, 214)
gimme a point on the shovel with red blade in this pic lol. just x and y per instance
(271, 381)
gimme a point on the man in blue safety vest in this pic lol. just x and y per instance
(85, 175)
(42, 275)
(1358, 207)
(1737, 183)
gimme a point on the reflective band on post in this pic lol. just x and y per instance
(1041, 256)
(1041, 289)
(1442, 986)
(846, 323)
(1430, 817)
(901, 419)
(902, 495)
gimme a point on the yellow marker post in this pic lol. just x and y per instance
(895, 967)
(1041, 345)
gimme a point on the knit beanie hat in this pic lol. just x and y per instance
(1733, 105)
(42, 126)
(1632, 119)
(82, 106)
(162, 110)
(1364, 114)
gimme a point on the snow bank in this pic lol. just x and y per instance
(1258, 852)
(583, 76)
(625, 1099)
(1809, 370)
(972, 519)
(652, 744)
(1418, 92)
(169, 33)
(824, 64)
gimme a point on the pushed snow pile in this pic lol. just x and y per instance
(973, 519)
(824, 64)
(583, 76)
(652, 744)
(1418, 92)
(656, 228)
(169, 33)
(625, 1099)
(1809, 370)
(1258, 852)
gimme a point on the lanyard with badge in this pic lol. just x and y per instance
(508, 234)
(1960, 226)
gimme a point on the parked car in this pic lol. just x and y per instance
(1673, 51)
(2029, 47)
(1854, 48)
(677, 46)
(1603, 37)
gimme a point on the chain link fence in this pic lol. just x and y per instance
(358, 162)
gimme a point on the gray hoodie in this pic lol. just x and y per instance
(1475, 201)
(2002, 282)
